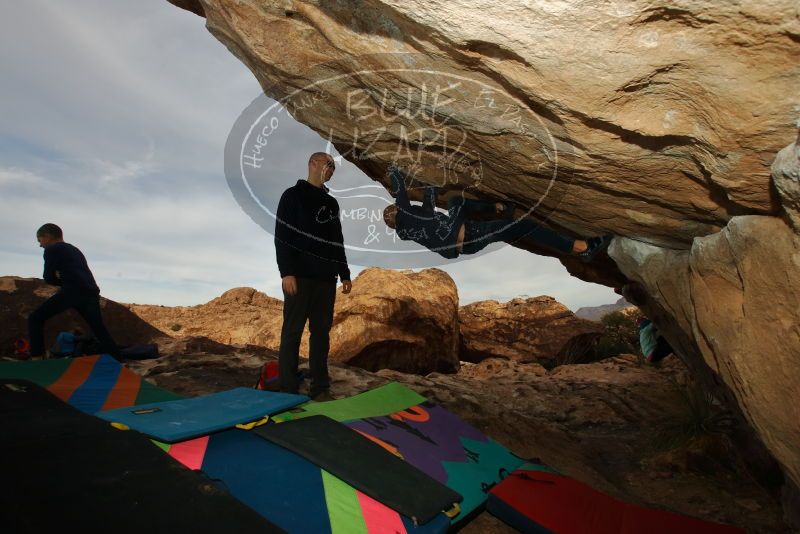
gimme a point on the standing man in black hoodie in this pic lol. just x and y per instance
(65, 266)
(310, 250)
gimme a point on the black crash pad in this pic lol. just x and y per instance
(62, 469)
(363, 464)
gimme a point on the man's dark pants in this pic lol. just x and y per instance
(87, 304)
(313, 302)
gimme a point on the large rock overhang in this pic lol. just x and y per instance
(653, 121)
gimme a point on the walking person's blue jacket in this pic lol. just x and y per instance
(66, 266)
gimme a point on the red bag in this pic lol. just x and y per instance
(268, 379)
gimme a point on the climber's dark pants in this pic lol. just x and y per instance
(479, 234)
(313, 302)
(86, 304)
(661, 351)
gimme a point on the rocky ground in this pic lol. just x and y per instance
(607, 423)
(626, 428)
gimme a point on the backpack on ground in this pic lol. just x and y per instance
(269, 379)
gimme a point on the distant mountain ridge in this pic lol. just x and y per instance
(596, 313)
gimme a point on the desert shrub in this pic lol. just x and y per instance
(621, 336)
(579, 349)
(701, 417)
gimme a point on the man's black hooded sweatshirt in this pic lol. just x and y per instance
(73, 275)
(308, 234)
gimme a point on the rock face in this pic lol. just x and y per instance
(526, 330)
(235, 317)
(738, 293)
(658, 124)
(400, 320)
(393, 319)
(403, 320)
(651, 120)
(786, 175)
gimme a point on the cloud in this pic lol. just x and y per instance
(108, 79)
(14, 177)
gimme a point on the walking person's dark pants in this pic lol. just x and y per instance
(313, 302)
(87, 304)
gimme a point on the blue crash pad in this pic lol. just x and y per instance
(179, 420)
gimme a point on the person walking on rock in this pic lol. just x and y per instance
(65, 266)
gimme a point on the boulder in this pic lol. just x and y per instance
(401, 320)
(660, 121)
(235, 317)
(531, 329)
(732, 305)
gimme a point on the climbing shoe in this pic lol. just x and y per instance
(595, 246)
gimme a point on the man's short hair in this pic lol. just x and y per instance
(318, 155)
(50, 229)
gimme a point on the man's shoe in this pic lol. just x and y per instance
(323, 396)
(396, 177)
(273, 386)
(595, 246)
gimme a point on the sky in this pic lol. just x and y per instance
(113, 122)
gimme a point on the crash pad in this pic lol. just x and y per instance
(64, 469)
(364, 465)
(180, 420)
(537, 499)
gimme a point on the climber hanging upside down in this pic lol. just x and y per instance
(454, 234)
